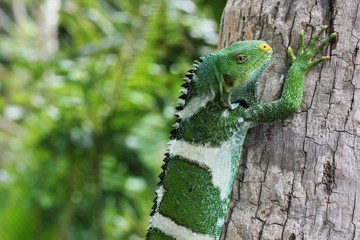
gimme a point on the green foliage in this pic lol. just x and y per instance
(86, 107)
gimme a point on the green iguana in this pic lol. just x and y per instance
(216, 108)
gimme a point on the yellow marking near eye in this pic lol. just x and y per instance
(264, 47)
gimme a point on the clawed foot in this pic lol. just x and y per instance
(305, 55)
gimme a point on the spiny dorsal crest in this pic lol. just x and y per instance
(181, 104)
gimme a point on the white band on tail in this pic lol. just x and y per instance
(170, 228)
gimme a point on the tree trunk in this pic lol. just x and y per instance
(300, 177)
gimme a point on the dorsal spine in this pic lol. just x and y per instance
(188, 79)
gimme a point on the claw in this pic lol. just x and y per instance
(317, 61)
(317, 37)
(291, 54)
(302, 42)
(324, 43)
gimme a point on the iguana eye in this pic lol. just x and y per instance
(241, 58)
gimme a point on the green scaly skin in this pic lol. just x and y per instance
(216, 109)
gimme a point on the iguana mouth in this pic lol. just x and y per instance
(243, 103)
(239, 102)
(235, 103)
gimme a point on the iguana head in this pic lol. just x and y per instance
(238, 68)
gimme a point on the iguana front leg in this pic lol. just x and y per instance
(292, 94)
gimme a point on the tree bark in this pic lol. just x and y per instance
(300, 177)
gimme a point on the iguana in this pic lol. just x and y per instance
(216, 108)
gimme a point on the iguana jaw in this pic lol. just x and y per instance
(244, 94)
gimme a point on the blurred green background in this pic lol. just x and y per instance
(88, 90)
